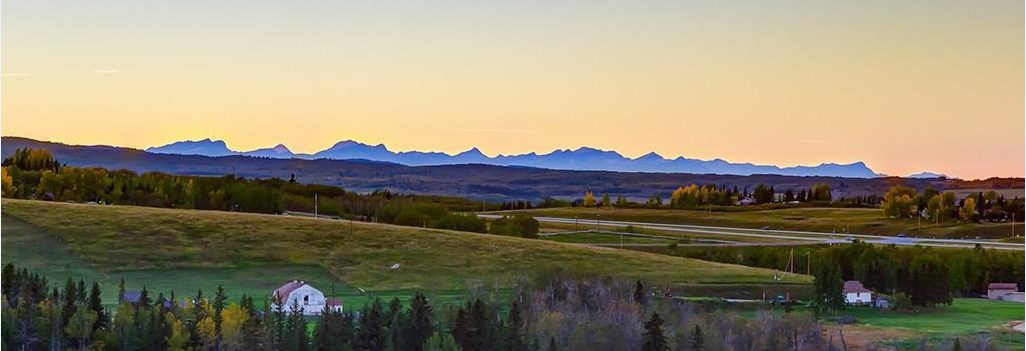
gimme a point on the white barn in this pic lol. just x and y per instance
(309, 299)
(856, 294)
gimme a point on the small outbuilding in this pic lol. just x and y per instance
(1002, 291)
(856, 294)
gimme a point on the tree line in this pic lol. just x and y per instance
(905, 202)
(698, 195)
(35, 174)
(925, 276)
(556, 312)
(557, 315)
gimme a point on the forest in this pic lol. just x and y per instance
(557, 313)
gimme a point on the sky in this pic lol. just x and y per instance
(905, 86)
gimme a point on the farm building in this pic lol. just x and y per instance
(1004, 291)
(856, 294)
(309, 299)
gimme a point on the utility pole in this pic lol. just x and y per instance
(315, 205)
(809, 266)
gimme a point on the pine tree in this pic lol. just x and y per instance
(697, 338)
(333, 331)
(295, 329)
(655, 338)
(219, 300)
(640, 297)
(121, 291)
(95, 304)
(144, 298)
(420, 322)
(515, 329)
(80, 292)
(68, 305)
(396, 323)
(370, 336)
(552, 344)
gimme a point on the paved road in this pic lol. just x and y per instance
(791, 235)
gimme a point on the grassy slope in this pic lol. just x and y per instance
(164, 242)
(858, 220)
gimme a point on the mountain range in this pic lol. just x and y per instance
(584, 158)
(477, 181)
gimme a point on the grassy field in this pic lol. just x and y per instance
(550, 227)
(185, 249)
(855, 220)
(963, 317)
(904, 330)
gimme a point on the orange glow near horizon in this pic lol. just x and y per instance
(904, 86)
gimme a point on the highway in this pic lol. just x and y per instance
(790, 235)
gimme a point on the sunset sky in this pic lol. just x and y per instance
(905, 86)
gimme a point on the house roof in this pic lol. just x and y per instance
(1002, 286)
(334, 302)
(854, 286)
(283, 292)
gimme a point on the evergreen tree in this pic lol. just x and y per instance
(121, 291)
(640, 296)
(219, 301)
(654, 337)
(515, 329)
(552, 344)
(697, 338)
(295, 338)
(421, 326)
(69, 303)
(333, 331)
(371, 333)
(80, 292)
(95, 304)
(396, 323)
(144, 298)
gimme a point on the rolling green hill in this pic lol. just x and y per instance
(186, 249)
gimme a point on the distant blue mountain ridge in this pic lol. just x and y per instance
(584, 158)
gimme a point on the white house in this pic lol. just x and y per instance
(856, 294)
(309, 299)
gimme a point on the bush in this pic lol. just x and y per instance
(516, 225)
(467, 223)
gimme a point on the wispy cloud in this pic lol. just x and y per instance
(11, 75)
(485, 130)
(105, 71)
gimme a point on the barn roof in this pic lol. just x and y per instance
(854, 286)
(1002, 286)
(283, 292)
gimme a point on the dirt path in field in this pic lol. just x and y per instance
(857, 337)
